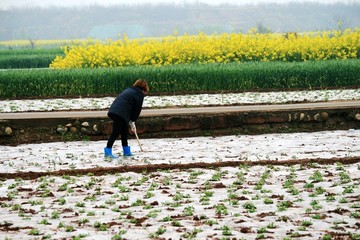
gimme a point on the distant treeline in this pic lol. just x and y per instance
(159, 20)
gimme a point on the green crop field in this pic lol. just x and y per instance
(28, 57)
(188, 64)
(187, 78)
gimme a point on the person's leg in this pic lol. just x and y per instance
(117, 129)
(124, 139)
(124, 134)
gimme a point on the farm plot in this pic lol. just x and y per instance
(257, 201)
(49, 157)
(279, 97)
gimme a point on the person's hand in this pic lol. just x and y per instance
(133, 126)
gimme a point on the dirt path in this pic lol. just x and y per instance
(156, 167)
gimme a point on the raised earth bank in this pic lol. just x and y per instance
(50, 129)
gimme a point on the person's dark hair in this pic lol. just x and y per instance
(142, 84)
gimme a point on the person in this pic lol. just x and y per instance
(124, 111)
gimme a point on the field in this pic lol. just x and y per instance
(171, 101)
(180, 79)
(268, 186)
(223, 48)
(187, 64)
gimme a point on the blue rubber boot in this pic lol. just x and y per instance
(108, 153)
(127, 151)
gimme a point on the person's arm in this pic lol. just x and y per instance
(133, 126)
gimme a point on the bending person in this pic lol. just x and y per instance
(123, 111)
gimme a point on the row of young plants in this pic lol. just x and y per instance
(258, 202)
(189, 78)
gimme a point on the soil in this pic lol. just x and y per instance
(156, 167)
(43, 135)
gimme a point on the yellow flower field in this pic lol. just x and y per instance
(221, 48)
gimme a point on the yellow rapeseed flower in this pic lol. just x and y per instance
(203, 48)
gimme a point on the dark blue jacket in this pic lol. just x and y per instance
(128, 104)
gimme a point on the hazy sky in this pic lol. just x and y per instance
(4, 4)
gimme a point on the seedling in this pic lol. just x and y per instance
(69, 228)
(211, 222)
(327, 237)
(153, 214)
(83, 221)
(221, 209)
(62, 201)
(80, 204)
(192, 234)
(100, 226)
(226, 231)
(271, 225)
(189, 211)
(250, 207)
(90, 213)
(119, 235)
(34, 232)
(344, 177)
(268, 201)
(306, 223)
(343, 200)
(45, 222)
(315, 205)
(348, 189)
(176, 224)
(167, 219)
(316, 177)
(55, 215)
(283, 205)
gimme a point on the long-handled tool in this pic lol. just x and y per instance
(138, 141)
(133, 128)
